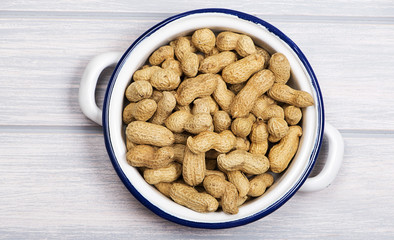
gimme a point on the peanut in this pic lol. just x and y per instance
(205, 105)
(183, 108)
(164, 108)
(227, 41)
(261, 105)
(140, 132)
(241, 127)
(177, 120)
(293, 114)
(193, 170)
(265, 54)
(188, 59)
(165, 79)
(273, 139)
(164, 188)
(201, 86)
(257, 85)
(272, 111)
(243, 161)
(286, 94)
(202, 110)
(280, 66)
(215, 172)
(204, 40)
(129, 144)
(242, 200)
(200, 58)
(145, 73)
(139, 90)
(222, 95)
(258, 138)
(259, 184)
(236, 88)
(241, 70)
(148, 156)
(242, 144)
(181, 138)
(189, 197)
(266, 108)
(221, 121)
(179, 152)
(165, 174)
(174, 65)
(240, 181)
(213, 106)
(141, 111)
(127, 115)
(243, 44)
(214, 51)
(281, 154)
(180, 121)
(156, 95)
(222, 142)
(161, 54)
(191, 45)
(220, 188)
(278, 127)
(215, 63)
(173, 44)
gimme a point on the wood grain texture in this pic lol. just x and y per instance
(62, 185)
(57, 182)
(43, 73)
(380, 8)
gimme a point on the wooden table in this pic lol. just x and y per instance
(57, 182)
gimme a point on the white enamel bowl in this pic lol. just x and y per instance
(264, 35)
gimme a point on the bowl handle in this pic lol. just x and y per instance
(87, 87)
(333, 162)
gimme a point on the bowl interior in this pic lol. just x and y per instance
(137, 56)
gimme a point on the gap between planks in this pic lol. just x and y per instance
(17, 129)
(158, 16)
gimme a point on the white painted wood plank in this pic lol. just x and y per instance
(41, 62)
(62, 185)
(380, 8)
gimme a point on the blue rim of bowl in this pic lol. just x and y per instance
(248, 219)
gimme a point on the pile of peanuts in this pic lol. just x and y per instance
(203, 114)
